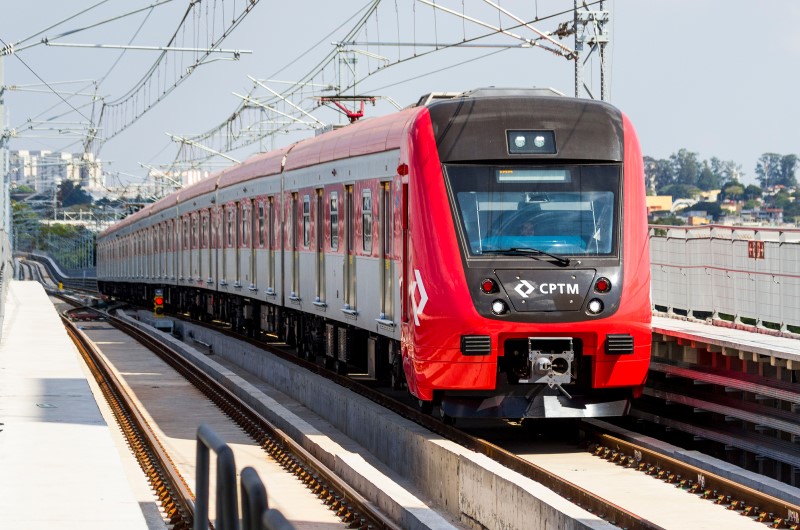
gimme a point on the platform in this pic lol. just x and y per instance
(60, 466)
(756, 347)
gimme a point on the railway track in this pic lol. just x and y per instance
(700, 482)
(703, 483)
(164, 477)
(176, 497)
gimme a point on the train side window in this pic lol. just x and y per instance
(261, 224)
(334, 220)
(195, 238)
(306, 220)
(270, 225)
(204, 230)
(245, 225)
(229, 223)
(366, 220)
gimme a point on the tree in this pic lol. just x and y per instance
(26, 227)
(658, 173)
(681, 191)
(686, 167)
(733, 190)
(752, 192)
(781, 200)
(726, 170)
(792, 211)
(708, 180)
(788, 168)
(712, 209)
(773, 169)
(70, 194)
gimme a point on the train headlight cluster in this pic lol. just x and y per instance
(499, 307)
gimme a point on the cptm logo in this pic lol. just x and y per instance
(526, 288)
(418, 285)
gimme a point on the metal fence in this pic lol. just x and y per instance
(746, 275)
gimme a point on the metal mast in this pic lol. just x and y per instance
(5, 136)
(591, 34)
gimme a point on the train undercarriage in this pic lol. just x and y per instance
(343, 348)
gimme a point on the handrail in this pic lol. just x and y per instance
(256, 514)
(227, 509)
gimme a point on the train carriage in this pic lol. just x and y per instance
(488, 251)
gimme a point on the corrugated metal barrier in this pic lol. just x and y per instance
(747, 275)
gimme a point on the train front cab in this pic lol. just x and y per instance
(520, 324)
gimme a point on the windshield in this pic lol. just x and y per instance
(558, 209)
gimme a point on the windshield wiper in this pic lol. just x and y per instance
(530, 252)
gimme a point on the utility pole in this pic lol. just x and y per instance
(5, 160)
(591, 35)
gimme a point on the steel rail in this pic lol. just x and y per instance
(747, 501)
(165, 479)
(333, 491)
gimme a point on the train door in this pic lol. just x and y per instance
(320, 245)
(406, 282)
(169, 264)
(228, 218)
(204, 251)
(257, 241)
(186, 254)
(237, 245)
(386, 220)
(158, 258)
(195, 243)
(295, 295)
(349, 264)
(271, 245)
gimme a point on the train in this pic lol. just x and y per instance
(487, 251)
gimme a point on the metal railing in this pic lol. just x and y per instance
(256, 514)
(746, 275)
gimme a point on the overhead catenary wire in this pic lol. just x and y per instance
(44, 41)
(224, 130)
(53, 90)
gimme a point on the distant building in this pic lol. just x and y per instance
(657, 203)
(697, 220)
(756, 217)
(45, 170)
(160, 184)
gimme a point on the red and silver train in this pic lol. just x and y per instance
(487, 250)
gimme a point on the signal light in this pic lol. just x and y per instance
(602, 285)
(488, 286)
(158, 305)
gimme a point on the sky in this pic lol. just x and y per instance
(717, 78)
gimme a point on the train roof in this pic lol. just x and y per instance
(364, 137)
(261, 165)
(449, 110)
